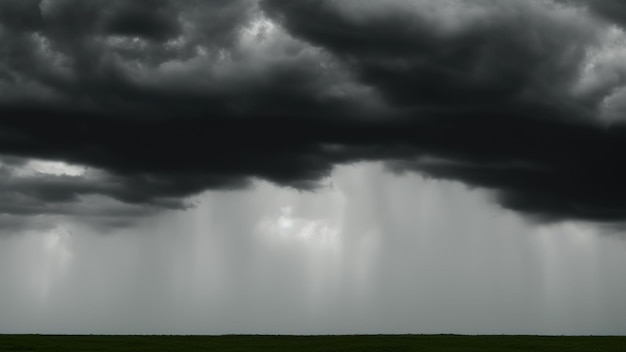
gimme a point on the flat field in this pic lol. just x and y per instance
(431, 343)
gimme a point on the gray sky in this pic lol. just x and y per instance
(305, 167)
(376, 253)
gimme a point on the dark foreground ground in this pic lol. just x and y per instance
(431, 343)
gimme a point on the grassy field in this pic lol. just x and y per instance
(431, 343)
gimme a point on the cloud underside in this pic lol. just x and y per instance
(161, 100)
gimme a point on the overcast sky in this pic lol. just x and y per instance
(312, 167)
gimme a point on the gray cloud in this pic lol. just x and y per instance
(170, 98)
(39, 200)
(614, 11)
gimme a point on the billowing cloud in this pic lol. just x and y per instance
(164, 99)
(613, 11)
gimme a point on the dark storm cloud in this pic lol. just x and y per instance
(499, 87)
(505, 54)
(612, 10)
(149, 19)
(170, 98)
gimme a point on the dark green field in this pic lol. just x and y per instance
(310, 343)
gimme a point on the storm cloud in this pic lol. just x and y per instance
(161, 100)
